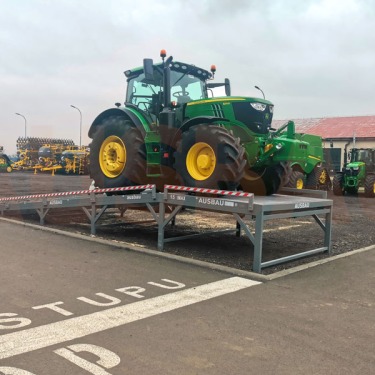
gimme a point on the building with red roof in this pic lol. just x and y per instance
(339, 134)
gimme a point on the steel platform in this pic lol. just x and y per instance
(240, 205)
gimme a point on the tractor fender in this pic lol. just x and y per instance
(297, 167)
(200, 120)
(186, 125)
(131, 115)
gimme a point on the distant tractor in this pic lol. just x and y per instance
(172, 130)
(358, 172)
(5, 162)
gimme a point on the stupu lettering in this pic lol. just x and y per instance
(13, 321)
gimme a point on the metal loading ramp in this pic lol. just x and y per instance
(164, 208)
(257, 208)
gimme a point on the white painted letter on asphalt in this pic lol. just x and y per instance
(19, 322)
(53, 306)
(107, 359)
(132, 291)
(113, 300)
(175, 286)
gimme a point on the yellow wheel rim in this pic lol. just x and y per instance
(112, 156)
(374, 188)
(299, 183)
(323, 177)
(9, 169)
(201, 161)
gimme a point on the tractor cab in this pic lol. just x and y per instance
(168, 86)
(362, 155)
(151, 93)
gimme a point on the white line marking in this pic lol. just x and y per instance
(15, 343)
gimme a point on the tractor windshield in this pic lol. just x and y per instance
(362, 155)
(186, 87)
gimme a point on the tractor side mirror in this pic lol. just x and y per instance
(148, 67)
(227, 87)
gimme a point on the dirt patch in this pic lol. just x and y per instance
(353, 226)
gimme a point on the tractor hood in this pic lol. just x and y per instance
(254, 113)
(355, 165)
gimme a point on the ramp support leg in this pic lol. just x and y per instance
(93, 217)
(258, 240)
(161, 226)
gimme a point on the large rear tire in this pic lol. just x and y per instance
(208, 156)
(117, 154)
(370, 186)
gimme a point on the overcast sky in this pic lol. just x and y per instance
(312, 58)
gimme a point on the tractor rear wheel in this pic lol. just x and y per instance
(296, 180)
(338, 184)
(209, 156)
(117, 154)
(370, 186)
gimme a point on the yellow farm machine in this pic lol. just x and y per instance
(48, 154)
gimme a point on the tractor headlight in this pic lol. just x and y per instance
(258, 106)
(279, 146)
(355, 168)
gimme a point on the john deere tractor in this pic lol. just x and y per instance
(358, 172)
(172, 130)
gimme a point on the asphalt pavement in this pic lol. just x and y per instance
(71, 306)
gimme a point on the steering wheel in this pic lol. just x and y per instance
(178, 94)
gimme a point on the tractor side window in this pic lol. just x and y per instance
(141, 93)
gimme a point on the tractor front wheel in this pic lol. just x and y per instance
(296, 180)
(117, 156)
(209, 156)
(370, 186)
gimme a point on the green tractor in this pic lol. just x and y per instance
(172, 130)
(359, 172)
(5, 162)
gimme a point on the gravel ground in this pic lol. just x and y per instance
(353, 226)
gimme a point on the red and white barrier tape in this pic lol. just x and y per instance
(80, 192)
(208, 191)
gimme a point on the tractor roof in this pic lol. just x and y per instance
(177, 67)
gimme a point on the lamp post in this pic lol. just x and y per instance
(19, 114)
(258, 88)
(80, 124)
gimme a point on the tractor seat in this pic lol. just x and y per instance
(183, 99)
